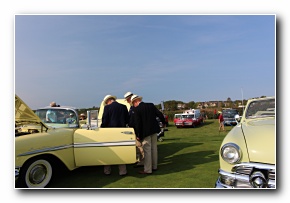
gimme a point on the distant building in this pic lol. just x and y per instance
(181, 106)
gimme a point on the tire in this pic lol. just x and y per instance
(36, 173)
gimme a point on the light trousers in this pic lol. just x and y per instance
(150, 153)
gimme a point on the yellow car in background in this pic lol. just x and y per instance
(39, 155)
(248, 152)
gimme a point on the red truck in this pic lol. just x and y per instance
(189, 118)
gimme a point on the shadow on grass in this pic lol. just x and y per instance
(169, 162)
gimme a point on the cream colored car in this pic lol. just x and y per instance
(248, 152)
(39, 155)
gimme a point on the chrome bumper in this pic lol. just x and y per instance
(247, 178)
(218, 184)
(17, 169)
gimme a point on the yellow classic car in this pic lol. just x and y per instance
(248, 152)
(39, 155)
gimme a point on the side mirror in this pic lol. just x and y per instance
(237, 118)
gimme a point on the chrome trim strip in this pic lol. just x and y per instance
(255, 165)
(234, 175)
(106, 144)
(80, 145)
(46, 150)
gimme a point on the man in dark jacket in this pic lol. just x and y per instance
(139, 150)
(146, 129)
(127, 97)
(114, 115)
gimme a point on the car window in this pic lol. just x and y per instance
(190, 116)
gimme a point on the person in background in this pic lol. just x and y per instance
(51, 116)
(82, 116)
(221, 122)
(83, 119)
(114, 115)
(214, 114)
(71, 119)
(146, 129)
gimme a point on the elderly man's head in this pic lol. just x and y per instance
(108, 99)
(128, 96)
(135, 100)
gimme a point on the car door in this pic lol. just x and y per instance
(104, 146)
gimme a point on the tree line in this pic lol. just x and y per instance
(171, 107)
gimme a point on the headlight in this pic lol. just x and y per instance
(231, 153)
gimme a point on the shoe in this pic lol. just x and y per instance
(143, 172)
(154, 169)
(107, 174)
(123, 174)
(138, 166)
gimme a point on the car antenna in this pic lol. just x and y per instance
(242, 99)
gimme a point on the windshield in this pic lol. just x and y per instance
(56, 116)
(177, 116)
(230, 113)
(261, 108)
(187, 116)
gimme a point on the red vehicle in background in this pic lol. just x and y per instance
(166, 119)
(177, 117)
(189, 118)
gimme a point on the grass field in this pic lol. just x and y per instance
(188, 158)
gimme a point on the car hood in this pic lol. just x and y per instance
(260, 138)
(23, 114)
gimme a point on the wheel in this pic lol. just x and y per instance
(36, 174)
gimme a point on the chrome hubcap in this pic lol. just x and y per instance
(37, 174)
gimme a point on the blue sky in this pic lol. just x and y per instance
(78, 59)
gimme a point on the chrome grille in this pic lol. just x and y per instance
(260, 175)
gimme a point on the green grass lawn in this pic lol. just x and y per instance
(188, 158)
